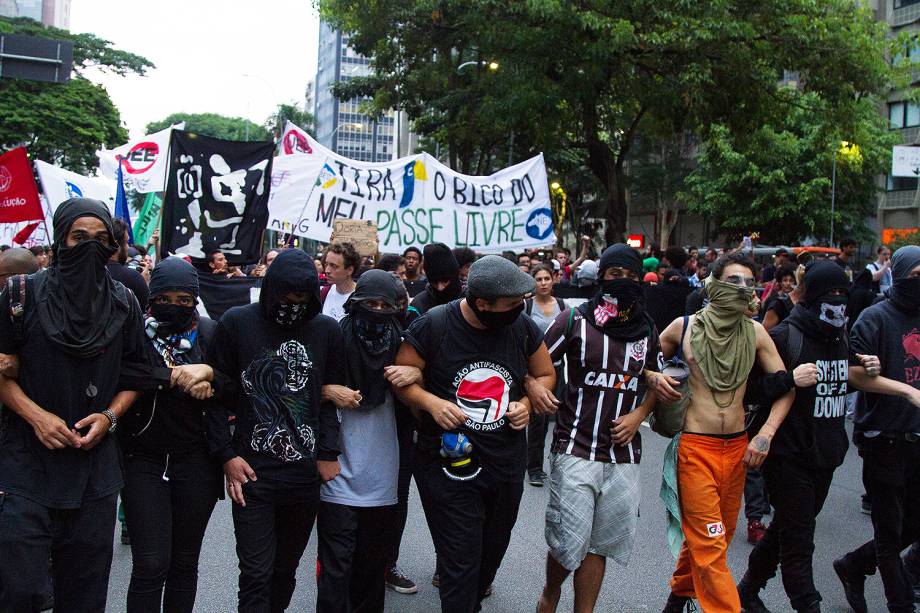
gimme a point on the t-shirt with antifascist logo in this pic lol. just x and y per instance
(482, 372)
(604, 383)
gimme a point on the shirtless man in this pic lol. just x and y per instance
(720, 346)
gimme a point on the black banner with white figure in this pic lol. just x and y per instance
(216, 197)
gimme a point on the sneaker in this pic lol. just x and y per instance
(436, 580)
(125, 538)
(676, 604)
(866, 506)
(756, 531)
(751, 602)
(537, 478)
(399, 582)
(854, 586)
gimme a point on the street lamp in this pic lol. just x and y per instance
(492, 65)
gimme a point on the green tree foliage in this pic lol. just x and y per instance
(777, 178)
(288, 112)
(65, 123)
(213, 124)
(585, 74)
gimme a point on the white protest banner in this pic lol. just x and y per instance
(59, 185)
(145, 161)
(295, 140)
(905, 161)
(414, 201)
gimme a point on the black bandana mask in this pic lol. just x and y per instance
(495, 320)
(626, 292)
(84, 261)
(289, 314)
(829, 313)
(173, 318)
(905, 293)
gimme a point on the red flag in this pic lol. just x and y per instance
(18, 192)
(24, 234)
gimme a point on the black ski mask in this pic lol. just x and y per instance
(173, 275)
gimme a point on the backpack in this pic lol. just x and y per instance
(17, 290)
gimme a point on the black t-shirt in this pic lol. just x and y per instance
(481, 371)
(814, 430)
(131, 279)
(282, 427)
(781, 305)
(894, 336)
(71, 387)
(414, 288)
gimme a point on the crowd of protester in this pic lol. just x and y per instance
(351, 376)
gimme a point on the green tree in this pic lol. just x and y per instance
(587, 73)
(288, 112)
(65, 123)
(777, 178)
(213, 124)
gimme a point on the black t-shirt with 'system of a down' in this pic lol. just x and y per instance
(813, 430)
(481, 371)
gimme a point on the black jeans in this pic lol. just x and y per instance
(536, 442)
(168, 502)
(891, 474)
(79, 543)
(272, 531)
(352, 558)
(470, 524)
(798, 491)
(756, 498)
(405, 433)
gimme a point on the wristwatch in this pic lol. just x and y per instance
(112, 418)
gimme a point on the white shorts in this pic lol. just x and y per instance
(593, 508)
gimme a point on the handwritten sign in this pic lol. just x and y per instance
(362, 234)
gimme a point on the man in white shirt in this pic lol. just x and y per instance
(340, 261)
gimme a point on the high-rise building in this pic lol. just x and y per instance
(340, 125)
(54, 13)
(898, 205)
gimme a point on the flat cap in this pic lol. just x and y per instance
(493, 276)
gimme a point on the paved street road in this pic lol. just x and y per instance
(640, 587)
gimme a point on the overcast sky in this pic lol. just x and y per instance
(202, 49)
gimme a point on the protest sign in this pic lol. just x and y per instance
(144, 161)
(362, 234)
(216, 197)
(413, 201)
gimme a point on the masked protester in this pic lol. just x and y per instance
(708, 460)
(171, 482)
(811, 442)
(358, 506)
(471, 449)
(594, 489)
(285, 442)
(443, 274)
(72, 328)
(885, 431)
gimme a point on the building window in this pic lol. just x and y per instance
(899, 4)
(900, 184)
(903, 114)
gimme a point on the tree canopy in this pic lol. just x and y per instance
(587, 74)
(213, 124)
(65, 123)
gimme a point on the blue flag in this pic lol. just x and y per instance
(121, 204)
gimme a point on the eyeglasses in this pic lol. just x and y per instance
(740, 280)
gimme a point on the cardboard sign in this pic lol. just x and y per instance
(362, 234)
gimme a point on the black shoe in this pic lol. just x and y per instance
(854, 586)
(125, 539)
(398, 582)
(865, 505)
(750, 600)
(537, 478)
(676, 604)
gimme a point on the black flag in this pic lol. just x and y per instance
(216, 197)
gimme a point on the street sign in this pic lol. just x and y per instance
(636, 241)
(905, 161)
(35, 59)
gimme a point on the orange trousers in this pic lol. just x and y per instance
(710, 480)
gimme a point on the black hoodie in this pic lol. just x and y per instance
(278, 372)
